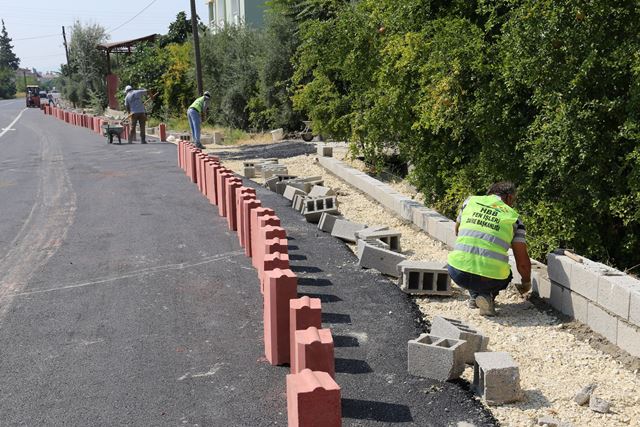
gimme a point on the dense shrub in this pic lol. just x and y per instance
(541, 93)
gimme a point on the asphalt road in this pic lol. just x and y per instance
(124, 299)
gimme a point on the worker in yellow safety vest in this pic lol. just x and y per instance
(196, 112)
(487, 227)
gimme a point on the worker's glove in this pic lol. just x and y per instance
(523, 287)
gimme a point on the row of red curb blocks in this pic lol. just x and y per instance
(90, 122)
(292, 326)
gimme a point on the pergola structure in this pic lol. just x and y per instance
(121, 47)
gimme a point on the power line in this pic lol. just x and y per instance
(36, 37)
(132, 18)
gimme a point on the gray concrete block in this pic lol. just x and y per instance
(364, 234)
(345, 230)
(325, 151)
(320, 191)
(541, 285)
(270, 170)
(614, 294)
(496, 378)
(314, 208)
(452, 328)
(290, 191)
(281, 186)
(271, 182)
(419, 216)
(634, 306)
(404, 206)
(435, 357)
(557, 297)
(254, 162)
(326, 222)
(559, 269)
(259, 165)
(602, 322)
(383, 260)
(389, 237)
(249, 172)
(424, 278)
(584, 279)
(575, 306)
(628, 338)
(298, 202)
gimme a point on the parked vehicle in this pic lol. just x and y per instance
(33, 96)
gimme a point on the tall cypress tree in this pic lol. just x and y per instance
(8, 59)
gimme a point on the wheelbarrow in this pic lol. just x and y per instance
(110, 130)
(307, 134)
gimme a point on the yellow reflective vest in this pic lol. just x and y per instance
(484, 237)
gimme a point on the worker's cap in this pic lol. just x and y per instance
(128, 88)
(207, 94)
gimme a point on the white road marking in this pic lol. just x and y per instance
(4, 130)
(143, 272)
(214, 369)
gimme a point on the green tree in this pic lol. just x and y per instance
(7, 83)
(8, 59)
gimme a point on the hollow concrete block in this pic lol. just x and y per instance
(303, 313)
(602, 322)
(383, 260)
(313, 400)
(325, 151)
(435, 357)
(614, 294)
(634, 306)
(575, 305)
(455, 329)
(628, 338)
(320, 191)
(327, 221)
(280, 286)
(390, 237)
(249, 172)
(345, 230)
(290, 191)
(314, 208)
(424, 278)
(496, 378)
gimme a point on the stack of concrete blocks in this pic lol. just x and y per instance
(314, 208)
(345, 230)
(325, 150)
(604, 298)
(283, 183)
(327, 221)
(436, 225)
(390, 238)
(259, 165)
(452, 328)
(374, 254)
(496, 378)
(270, 170)
(424, 278)
(436, 357)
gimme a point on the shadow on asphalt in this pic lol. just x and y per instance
(376, 411)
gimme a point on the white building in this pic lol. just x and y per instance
(235, 12)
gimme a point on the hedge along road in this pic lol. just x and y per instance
(126, 300)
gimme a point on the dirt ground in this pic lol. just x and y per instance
(557, 356)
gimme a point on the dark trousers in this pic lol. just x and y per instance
(478, 285)
(138, 118)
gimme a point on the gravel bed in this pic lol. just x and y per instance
(554, 362)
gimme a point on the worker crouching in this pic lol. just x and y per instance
(487, 226)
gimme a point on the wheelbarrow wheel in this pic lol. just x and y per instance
(307, 136)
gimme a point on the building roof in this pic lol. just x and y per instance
(125, 45)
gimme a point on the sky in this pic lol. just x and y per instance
(36, 18)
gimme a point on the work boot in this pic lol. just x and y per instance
(486, 305)
(471, 303)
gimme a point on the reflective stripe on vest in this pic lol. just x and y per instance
(198, 104)
(484, 237)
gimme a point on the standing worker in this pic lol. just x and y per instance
(487, 226)
(196, 113)
(135, 107)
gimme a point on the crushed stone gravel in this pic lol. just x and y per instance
(554, 362)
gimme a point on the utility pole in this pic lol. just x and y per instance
(196, 45)
(66, 50)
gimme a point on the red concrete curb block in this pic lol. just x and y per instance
(313, 349)
(258, 237)
(271, 262)
(248, 206)
(230, 201)
(304, 312)
(242, 195)
(162, 130)
(223, 176)
(313, 400)
(280, 286)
